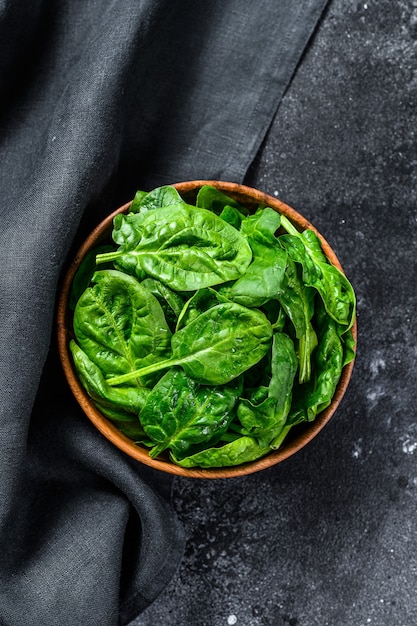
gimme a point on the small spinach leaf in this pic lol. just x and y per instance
(84, 274)
(171, 303)
(262, 279)
(266, 418)
(126, 422)
(155, 199)
(241, 450)
(201, 301)
(232, 216)
(314, 397)
(334, 288)
(298, 304)
(214, 200)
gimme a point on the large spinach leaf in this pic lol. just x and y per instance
(120, 325)
(183, 246)
(132, 398)
(217, 346)
(179, 412)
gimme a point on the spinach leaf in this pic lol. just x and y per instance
(297, 300)
(262, 279)
(120, 325)
(348, 343)
(201, 301)
(155, 199)
(314, 397)
(232, 216)
(179, 412)
(334, 288)
(266, 418)
(217, 346)
(171, 303)
(241, 450)
(214, 200)
(131, 398)
(126, 422)
(262, 225)
(185, 247)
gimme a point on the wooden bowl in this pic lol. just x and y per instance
(298, 437)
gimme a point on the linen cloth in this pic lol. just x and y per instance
(99, 98)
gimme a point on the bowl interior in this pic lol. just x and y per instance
(298, 437)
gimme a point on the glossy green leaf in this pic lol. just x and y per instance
(120, 325)
(126, 422)
(328, 363)
(171, 302)
(217, 346)
(214, 200)
(131, 398)
(263, 278)
(266, 418)
(297, 300)
(84, 274)
(241, 450)
(155, 199)
(201, 301)
(185, 247)
(335, 290)
(180, 412)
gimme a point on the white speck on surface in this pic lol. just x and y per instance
(409, 446)
(357, 449)
(377, 364)
(276, 194)
(374, 396)
(232, 619)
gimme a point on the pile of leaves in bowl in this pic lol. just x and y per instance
(207, 332)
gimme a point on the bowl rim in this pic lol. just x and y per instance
(109, 430)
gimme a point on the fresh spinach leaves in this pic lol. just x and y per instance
(212, 331)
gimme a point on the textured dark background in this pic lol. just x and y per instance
(329, 537)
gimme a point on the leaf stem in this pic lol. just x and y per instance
(143, 371)
(289, 227)
(104, 257)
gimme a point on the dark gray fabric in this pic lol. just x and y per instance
(99, 98)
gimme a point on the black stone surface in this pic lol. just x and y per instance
(329, 537)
